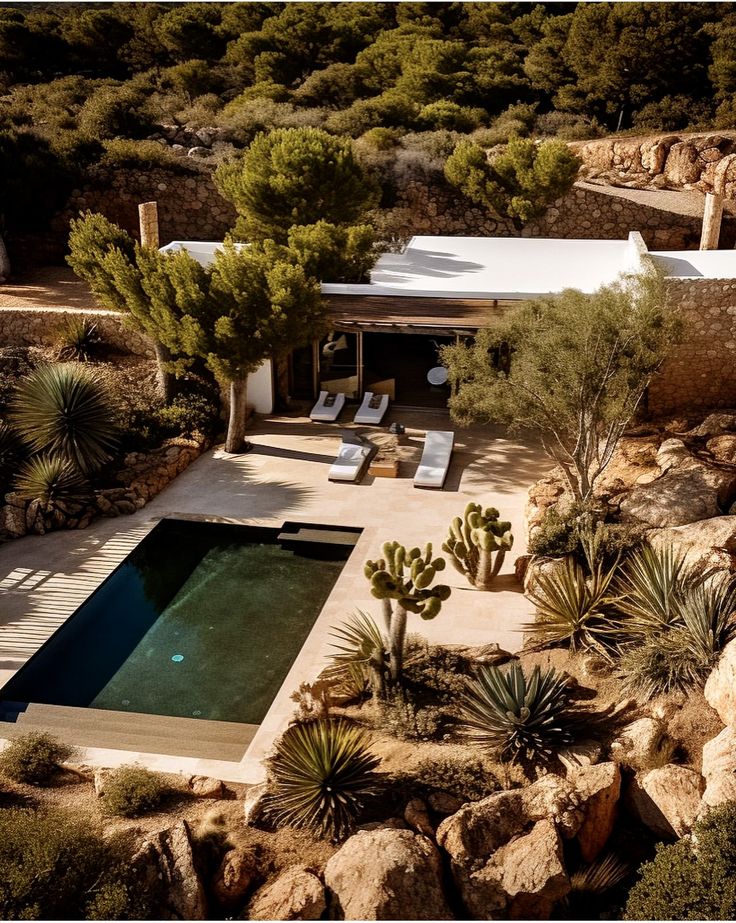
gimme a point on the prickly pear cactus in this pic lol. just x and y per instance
(406, 575)
(477, 544)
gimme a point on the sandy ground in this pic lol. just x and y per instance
(47, 287)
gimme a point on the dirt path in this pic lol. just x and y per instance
(47, 287)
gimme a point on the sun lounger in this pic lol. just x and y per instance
(373, 408)
(351, 459)
(435, 461)
(328, 407)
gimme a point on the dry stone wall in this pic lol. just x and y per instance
(701, 373)
(40, 326)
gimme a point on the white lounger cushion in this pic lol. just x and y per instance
(349, 463)
(325, 414)
(435, 462)
(368, 414)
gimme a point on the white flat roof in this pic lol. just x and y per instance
(493, 267)
(703, 264)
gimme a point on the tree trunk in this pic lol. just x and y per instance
(396, 641)
(236, 424)
(164, 378)
(4, 261)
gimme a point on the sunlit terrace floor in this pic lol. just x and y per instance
(43, 579)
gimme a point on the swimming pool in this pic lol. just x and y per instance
(201, 620)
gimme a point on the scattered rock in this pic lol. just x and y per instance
(235, 876)
(100, 778)
(666, 800)
(723, 448)
(644, 744)
(704, 545)
(297, 894)
(598, 787)
(206, 787)
(417, 816)
(444, 803)
(184, 889)
(483, 654)
(387, 875)
(254, 803)
(719, 769)
(720, 688)
(715, 424)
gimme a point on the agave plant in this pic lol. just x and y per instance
(322, 774)
(574, 609)
(52, 479)
(651, 587)
(360, 647)
(77, 339)
(62, 409)
(514, 715)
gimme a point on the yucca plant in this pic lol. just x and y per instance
(652, 584)
(359, 646)
(62, 409)
(516, 716)
(658, 664)
(594, 881)
(322, 774)
(11, 453)
(52, 479)
(708, 613)
(574, 609)
(77, 339)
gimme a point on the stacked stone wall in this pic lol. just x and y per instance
(41, 326)
(701, 373)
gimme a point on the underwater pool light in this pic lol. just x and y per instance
(177, 658)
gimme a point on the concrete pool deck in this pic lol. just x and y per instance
(43, 579)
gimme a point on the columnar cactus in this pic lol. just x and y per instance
(402, 580)
(473, 541)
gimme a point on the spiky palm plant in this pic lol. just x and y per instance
(359, 646)
(518, 716)
(52, 479)
(322, 774)
(652, 584)
(77, 339)
(62, 409)
(574, 609)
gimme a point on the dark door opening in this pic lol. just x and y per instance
(401, 362)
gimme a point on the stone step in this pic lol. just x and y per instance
(95, 727)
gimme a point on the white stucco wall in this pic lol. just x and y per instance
(261, 390)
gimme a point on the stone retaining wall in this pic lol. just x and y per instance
(40, 327)
(701, 374)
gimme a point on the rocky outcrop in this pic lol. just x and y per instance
(720, 688)
(599, 787)
(710, 543)
(719, 769)
(255, 803)
(689, 490)
(387, 875)
(666, 800)
(643, 745)
(297, 894)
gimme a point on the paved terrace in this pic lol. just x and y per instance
(44, 579)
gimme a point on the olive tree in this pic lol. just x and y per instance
(579, 365)
(520, 182)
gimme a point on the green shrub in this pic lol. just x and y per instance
(186, 415)
(381, 139)
(693, 879)
(322, 774)
(469, 779)
(51, 479)
(571, 529)
(403, 718)
(434, 670)
(143, 155)
(56, 866)
(515, 716)
(132, 790)
(34, 758)
(64, 409)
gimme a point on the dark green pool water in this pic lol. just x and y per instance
(201, 620)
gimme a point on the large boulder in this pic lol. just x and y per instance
(720, 688)
(704, 545)
(387, 875)
(297, 894)
(715, 424)
(643, 745)
(185, 892)
(719, 769)
(666, 800)
(598, 787)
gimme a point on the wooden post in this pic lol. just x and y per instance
(712, 214)
(148, 219)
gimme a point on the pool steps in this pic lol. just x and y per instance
(116, 730)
